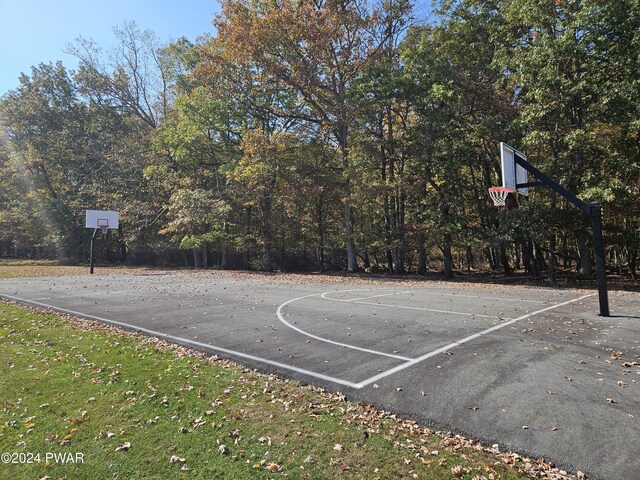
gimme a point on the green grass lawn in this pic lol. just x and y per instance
(134, 407)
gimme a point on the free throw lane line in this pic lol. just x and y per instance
(462, 341)
(405, 307)
(180, 340)
(372, 296)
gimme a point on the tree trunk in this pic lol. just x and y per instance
(633, 256)
(422, 251)
(267, 260)
(526, 257)
(585, 265)
(224, 262)
(205, 255)
(389, 261)
(540, 263)
(422, 256)
(123, 245)
(196, 257)
(366, 260)
(352, 261)
(247, 231)
(320, 233)
(504, 258)
(283, 251)
(448, 261)
(448, 257)
(491, 258)
(551, 263)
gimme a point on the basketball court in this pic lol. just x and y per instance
(536, 370)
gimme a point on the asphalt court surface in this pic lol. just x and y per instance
(533, 369)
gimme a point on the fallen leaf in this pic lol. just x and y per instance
(338, 447)
(124, 447)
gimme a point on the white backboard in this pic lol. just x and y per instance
(512, 173)
(99, 218)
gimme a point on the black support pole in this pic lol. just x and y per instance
(593, 210)
(596, 223)
(93, 237)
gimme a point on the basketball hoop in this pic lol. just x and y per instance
(103, 225)
(499, 195)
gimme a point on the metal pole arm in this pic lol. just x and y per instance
(586, 209)
(593, 211)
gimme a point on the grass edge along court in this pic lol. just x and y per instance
(86, 400)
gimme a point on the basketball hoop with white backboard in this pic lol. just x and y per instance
(515, 170)
(99, 220)
(514, 176)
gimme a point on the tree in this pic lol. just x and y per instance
(23, 230)
(317, 48)
(134, 77)
(44, 120)
(384, 119)
(197, 219)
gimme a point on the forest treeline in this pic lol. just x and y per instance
(335, 134)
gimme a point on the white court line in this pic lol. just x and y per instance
(433, 310)
(326, 340)
(409, 362)
(483, 298)
(372, 296)
(324, 295)
(181, 340)
(462, 341)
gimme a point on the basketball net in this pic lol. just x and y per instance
(499, 195)
(103, 225)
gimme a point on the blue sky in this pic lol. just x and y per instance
(38, 31)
